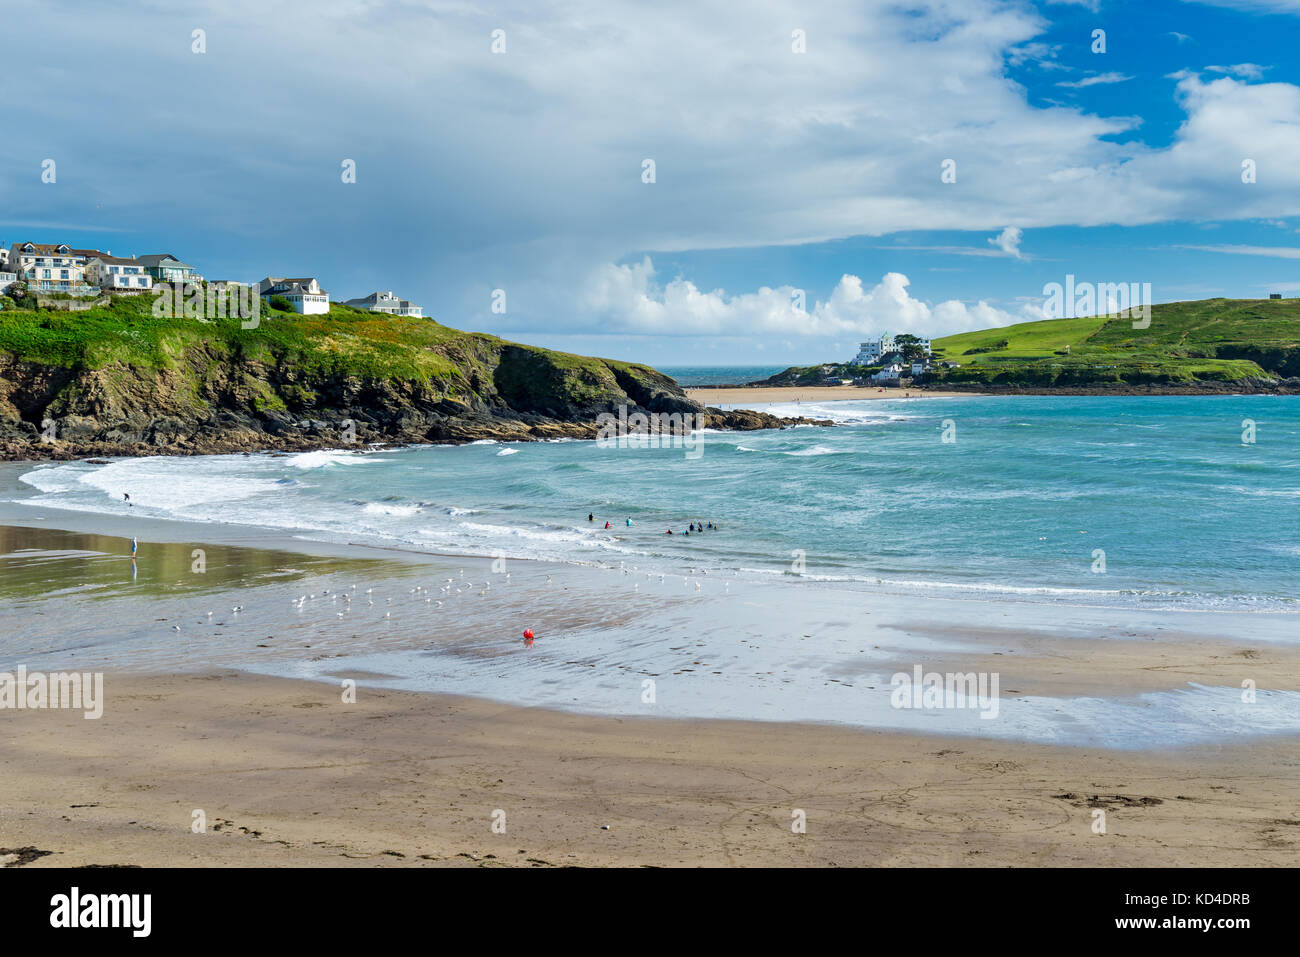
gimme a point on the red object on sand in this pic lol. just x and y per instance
(528, 633)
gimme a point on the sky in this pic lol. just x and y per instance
(679, 183)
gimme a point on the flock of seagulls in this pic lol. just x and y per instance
(450, 588)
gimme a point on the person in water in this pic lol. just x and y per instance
(607, 524)
(629, 521)
(591, 516)
(692, 528)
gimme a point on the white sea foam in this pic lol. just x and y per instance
(326, 457)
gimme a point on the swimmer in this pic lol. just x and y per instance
(629, 521)
(591, 516)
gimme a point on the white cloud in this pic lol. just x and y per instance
(627, 299)
(1100, 78)
(522, 171)
(1277, 252)
(1008, 241)
(1244, 71)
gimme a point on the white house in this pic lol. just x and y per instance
(51, 267)
(386, 302)
(890, 373)
(920, 368)
(123, 275)
(304, 294)
(7, 279)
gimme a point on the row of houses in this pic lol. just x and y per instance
(59, 268)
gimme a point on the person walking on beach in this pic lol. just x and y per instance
(134, 545)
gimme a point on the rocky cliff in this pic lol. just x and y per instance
(119, 381)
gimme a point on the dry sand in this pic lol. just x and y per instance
(749, 397)
(286, 774)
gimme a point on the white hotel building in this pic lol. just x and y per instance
(873, 350)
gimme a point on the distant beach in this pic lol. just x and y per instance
(751, 396)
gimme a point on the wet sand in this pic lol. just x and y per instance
(287, 773)
(284, 773)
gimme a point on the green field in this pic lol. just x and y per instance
(1218, 340)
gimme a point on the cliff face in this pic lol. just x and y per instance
(301, 383)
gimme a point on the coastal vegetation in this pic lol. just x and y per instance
(1246, 344)
(117, 378)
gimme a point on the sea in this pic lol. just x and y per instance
(690, 376)
(1158, 503)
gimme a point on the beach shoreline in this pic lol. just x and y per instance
(244, 718)
(738, 396)
(286, 773)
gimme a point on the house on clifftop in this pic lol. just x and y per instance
(164, 267)
(305, 294)
(386, 302)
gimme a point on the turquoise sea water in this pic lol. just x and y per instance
(720, 375)
(1021, 504)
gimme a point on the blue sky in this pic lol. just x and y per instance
(776, 171)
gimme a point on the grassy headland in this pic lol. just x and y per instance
(115, 379)
(1247, 344)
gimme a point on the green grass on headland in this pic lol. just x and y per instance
(1186, 342)
(308, 350)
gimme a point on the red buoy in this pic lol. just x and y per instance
(528, 634)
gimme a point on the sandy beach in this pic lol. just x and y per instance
(747, 397)
(288, 772)
(284, 773)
